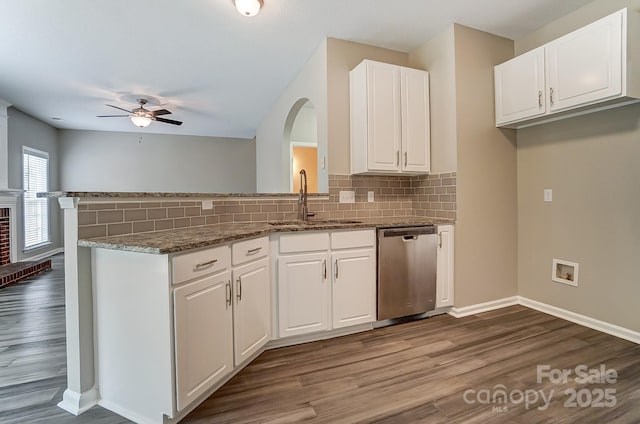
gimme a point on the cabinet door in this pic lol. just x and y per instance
(444, 276)
(354, 287)
(416, 149)
(520, 87)
(383, 114)
(251, 309)
(203, 336)
(585, 66)
(303, 294)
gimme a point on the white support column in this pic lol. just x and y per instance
(4, 145)
(81, 393)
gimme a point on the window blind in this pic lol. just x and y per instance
(36, 210)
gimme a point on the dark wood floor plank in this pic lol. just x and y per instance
(416, 372)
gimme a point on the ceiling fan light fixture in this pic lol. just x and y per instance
(140, 121)
(248, 7)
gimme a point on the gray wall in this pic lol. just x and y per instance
(114, 161)
(27, 131)
(592, 164)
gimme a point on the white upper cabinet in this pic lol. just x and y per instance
(389, 109)
(416, 152)
(520, 87)
(584, 71)
(383, 125)
(586, 65)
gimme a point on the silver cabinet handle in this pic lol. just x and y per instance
(551, 95)
(239, 295)
(540, 98)
(324, 269)
(398, 157)
(204, 264)
(252, 251)
(336, 274)
(440, 240)
(405, 158)
(229, 294)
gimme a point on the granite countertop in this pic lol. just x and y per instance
(96, 195)
(179, 240)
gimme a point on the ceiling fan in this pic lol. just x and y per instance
(142, 117)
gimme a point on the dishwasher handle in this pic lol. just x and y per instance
(409, 238)
(407, 232)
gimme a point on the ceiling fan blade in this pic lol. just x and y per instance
(168, 121)
(112, 116)
(116, 107)
(160, 112)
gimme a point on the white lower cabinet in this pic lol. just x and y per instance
(203, 335)
(303, 294)
(445, 261)
(325, 281)
(354, 288)
(222, 319)
(251, 309)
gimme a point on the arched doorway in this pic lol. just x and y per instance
(300, 146)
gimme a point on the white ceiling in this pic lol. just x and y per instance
(216, 70)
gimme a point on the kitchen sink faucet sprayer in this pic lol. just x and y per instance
(303, 207)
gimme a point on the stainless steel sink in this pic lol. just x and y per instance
(316, 222)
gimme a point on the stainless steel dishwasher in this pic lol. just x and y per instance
(406, 271)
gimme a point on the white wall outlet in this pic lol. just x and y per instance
(370, 196)
(207, 205)
(548, 195)
(323, 165)
(347, 197)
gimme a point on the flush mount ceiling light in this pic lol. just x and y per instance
(248, 7)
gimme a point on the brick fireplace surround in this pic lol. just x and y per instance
(15, 272)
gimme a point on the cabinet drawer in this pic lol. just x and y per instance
(201, 263)
(249, 250)
(304, 242)
(350, 239)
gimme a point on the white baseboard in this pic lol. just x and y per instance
(605, 327)
(44, 255)
(77, 403)
(483, 307)
(113, 407)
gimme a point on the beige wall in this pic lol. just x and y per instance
(438, 57)
(486, 226)
(592, 164)
(343, 56)
(272, 150)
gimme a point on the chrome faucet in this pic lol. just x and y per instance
(303, 207)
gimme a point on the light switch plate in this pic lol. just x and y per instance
(548, 195)
(370, 196)
(207, 205)
(347, 197)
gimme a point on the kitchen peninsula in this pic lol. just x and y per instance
(178, 312)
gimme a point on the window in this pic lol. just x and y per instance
(35, 167)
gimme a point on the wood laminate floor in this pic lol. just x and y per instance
(416, 372)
